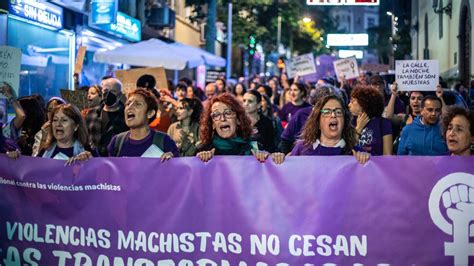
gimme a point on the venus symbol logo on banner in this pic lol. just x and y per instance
(352, 67)
(456, 191)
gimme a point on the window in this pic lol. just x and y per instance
(370, 22)
(46, 61)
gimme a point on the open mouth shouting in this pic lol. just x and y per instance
(130, 116)
(334, 125)
(226, 129)
(59, 132)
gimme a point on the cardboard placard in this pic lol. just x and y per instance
(375, 68)
(213, 75)
(81, 53)
(129, 77)
(76, 97)
(417, 75)
(10, 61)
(347, 68)
(301, 65)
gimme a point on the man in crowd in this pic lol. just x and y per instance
(107, 120)
(210, 91)
(424, 135)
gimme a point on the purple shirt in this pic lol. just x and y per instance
(399, 107)
(371, 137)
(301, 149)
(135, 148)
(294, 127)
(290, 109)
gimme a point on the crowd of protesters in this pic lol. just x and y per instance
(271, 118)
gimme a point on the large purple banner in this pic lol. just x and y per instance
(237, 211)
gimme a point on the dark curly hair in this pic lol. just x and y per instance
(244, 128)
(370, 99)
(194, 104)
(454, 111)
(312, 129)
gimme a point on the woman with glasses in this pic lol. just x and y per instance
(458, 131)
(328, 131)
(226, 130)
(374, 133)
(185, 132)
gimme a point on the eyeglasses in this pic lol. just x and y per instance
(216, 116)
(326, 112)
(182, 108)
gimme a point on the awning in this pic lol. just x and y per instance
(209, 59)
(156, 53)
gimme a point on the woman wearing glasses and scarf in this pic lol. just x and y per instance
(328, 131)
(226, 130)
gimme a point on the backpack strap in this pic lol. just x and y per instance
(159, 140)
(119, 143)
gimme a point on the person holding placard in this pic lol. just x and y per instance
(424, 136)
(12, 129)
(374, 133)
(378, 82)
(140, 140)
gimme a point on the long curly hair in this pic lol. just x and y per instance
(454, 111)
(312, 129)
(244, 128)
(81, 134)
(370, 99)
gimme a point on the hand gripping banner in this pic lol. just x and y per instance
(237, 211)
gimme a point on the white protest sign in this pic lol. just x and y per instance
(10, 60)
(347, 68)
(301, 65)
(417, 75)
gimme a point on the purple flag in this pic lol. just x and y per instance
(237, 211)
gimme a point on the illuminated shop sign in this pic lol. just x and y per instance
(348, 39)
(39, 11)
(343, 2)
(103, 12)
(126, 27)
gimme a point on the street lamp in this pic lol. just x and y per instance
(307, 19)
(393, 19)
